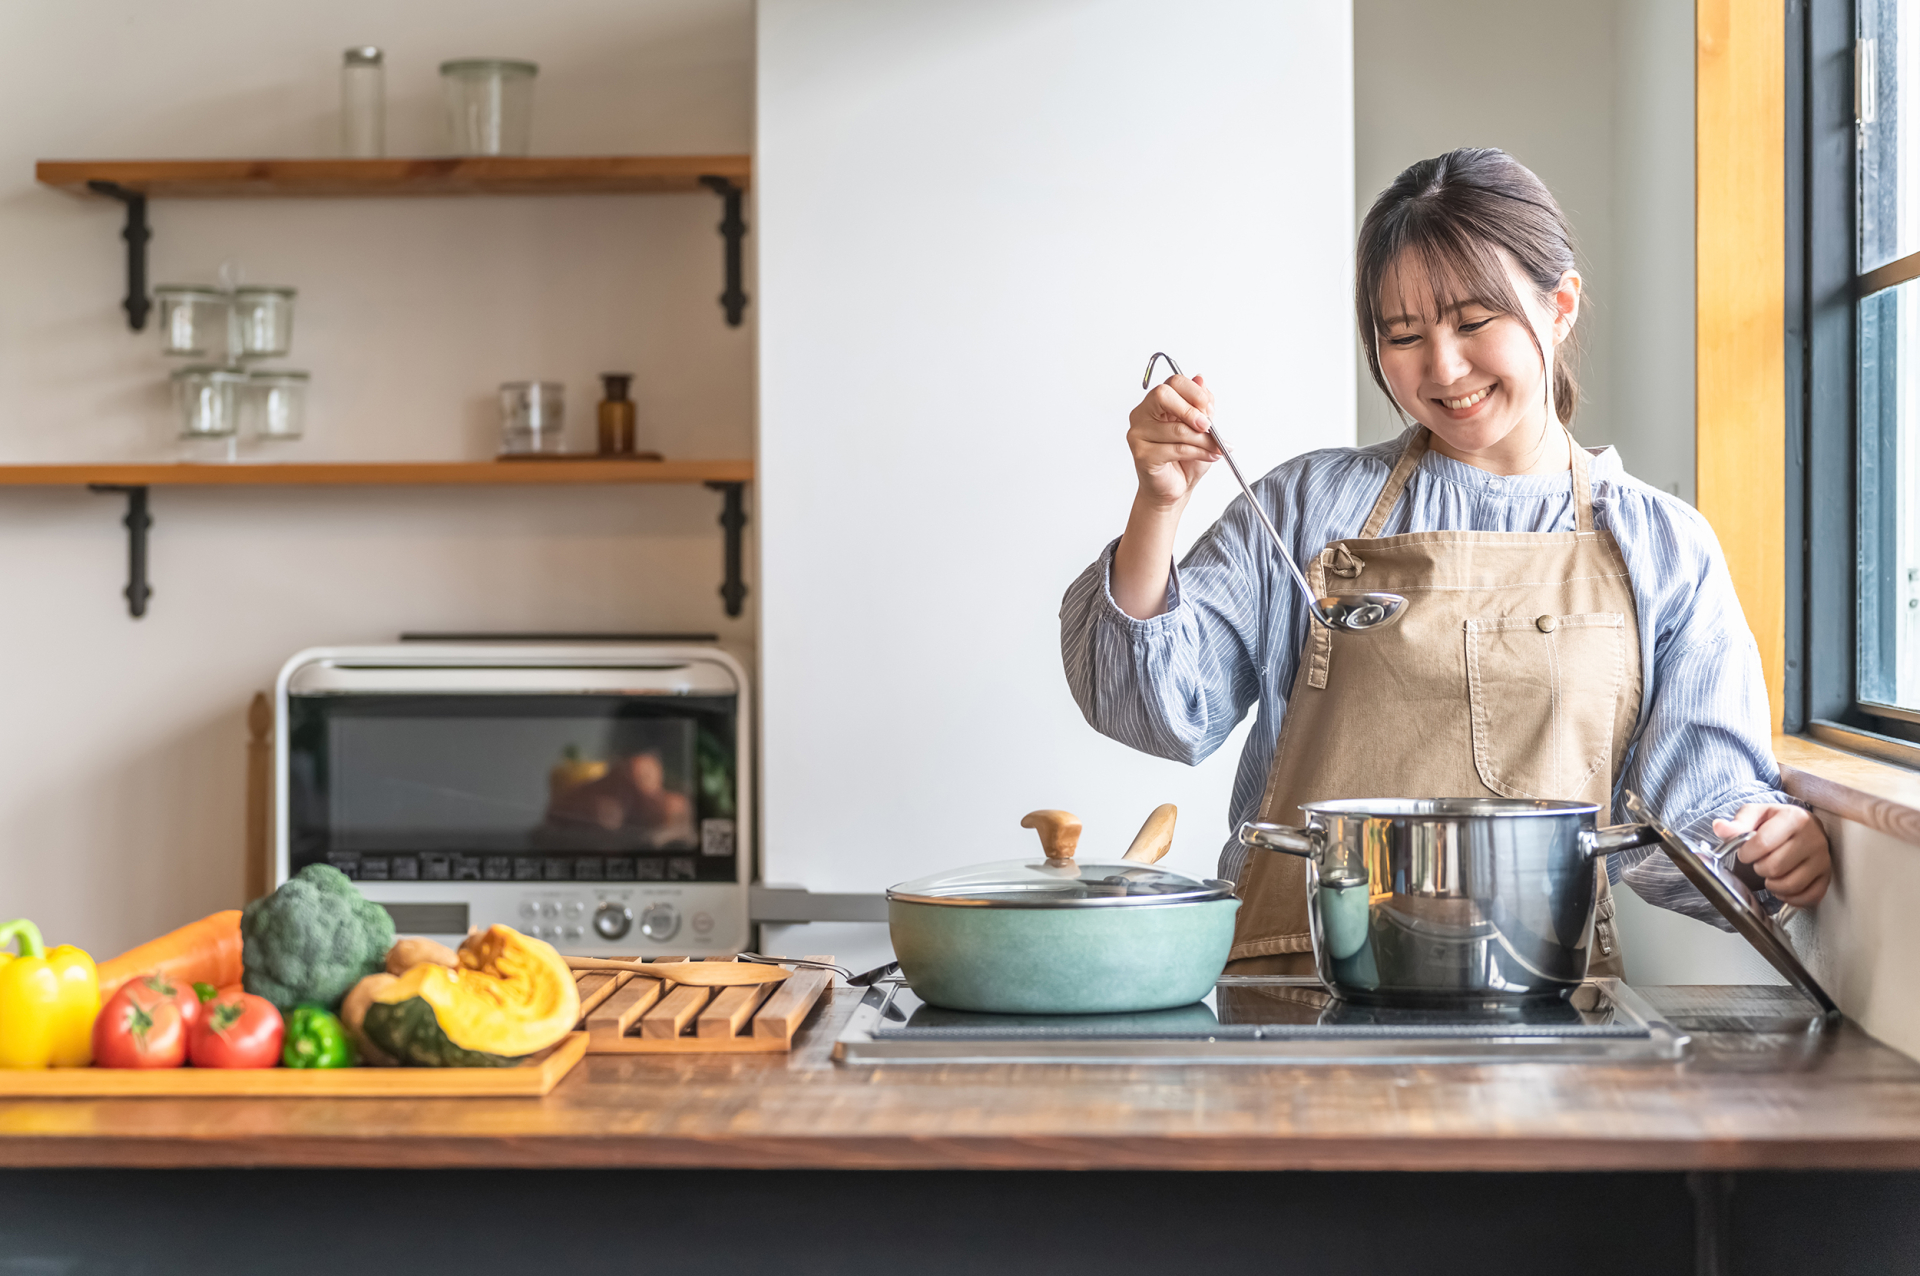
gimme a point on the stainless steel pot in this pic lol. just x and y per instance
(1450, 900)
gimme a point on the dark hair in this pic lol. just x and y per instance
(1453, 213)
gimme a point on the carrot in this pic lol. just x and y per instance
(205, 952)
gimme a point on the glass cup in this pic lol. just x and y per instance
(273, 405)
(192, 320)
(262, 321)
(533, 418)
(208, 401)
(489, 105)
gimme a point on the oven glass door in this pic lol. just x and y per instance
(513, 787)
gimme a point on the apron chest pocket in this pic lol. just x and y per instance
(1544, 692)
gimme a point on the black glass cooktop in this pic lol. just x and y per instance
(1266, 1019)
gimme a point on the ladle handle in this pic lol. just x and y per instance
(1293, 569)
(1155, 836)
(1059, 833)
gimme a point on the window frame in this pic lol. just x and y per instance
(1823, 430)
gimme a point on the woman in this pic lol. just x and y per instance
(1572, 632)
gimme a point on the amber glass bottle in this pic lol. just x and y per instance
(616, 415)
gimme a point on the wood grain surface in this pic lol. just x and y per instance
(1873, 793)
(1740, 308)
(381, 473)
(536, 1076)
(361, 178)
(1768, 1097)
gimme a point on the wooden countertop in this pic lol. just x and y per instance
(1777, 1098)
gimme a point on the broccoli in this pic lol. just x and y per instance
(313, 939)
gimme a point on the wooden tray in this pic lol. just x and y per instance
(533, 1078)
(627, 1013)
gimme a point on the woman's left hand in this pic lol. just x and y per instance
(1788, 849)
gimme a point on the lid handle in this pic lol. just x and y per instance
(1155, 836)
(1059, 834)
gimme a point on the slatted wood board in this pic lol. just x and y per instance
(535, 1076)
(627, 1013)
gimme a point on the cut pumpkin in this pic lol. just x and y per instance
(511, 996)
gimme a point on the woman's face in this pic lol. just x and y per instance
(1471, 374)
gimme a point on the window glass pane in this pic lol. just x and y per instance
(1888, 134)
(1889, 492)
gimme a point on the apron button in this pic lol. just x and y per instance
(1546, 624)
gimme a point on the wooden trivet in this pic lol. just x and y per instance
(627, 1013)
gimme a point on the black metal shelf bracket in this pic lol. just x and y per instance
(733, 517)
(136, 234)
(733, 229)
(136, 522)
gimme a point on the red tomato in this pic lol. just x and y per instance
(140, 1028)
(182, 995)
(237, 1032)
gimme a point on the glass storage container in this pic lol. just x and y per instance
(262, 321)
(192, 320)
(489, 105)
(363, 104)
(208, 400)
(533, 418)
(273, 405)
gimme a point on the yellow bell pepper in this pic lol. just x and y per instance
(48, 1002)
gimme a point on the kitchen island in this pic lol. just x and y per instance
(1760, 1092)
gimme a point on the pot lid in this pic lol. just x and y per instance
(1713, 873)
(1056, 879)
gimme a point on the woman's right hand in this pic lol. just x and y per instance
(1168, 436)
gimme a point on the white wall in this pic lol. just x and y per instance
(121, 761)
(977, 221)
(1596, 96)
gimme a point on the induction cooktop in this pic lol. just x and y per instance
(1268, 1020)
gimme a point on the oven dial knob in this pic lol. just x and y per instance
(575, 933)
(660, 922)
(611, 921)
(529, 908)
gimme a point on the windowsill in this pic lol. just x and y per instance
(1857, 788)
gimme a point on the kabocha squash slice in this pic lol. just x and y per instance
(511, 996)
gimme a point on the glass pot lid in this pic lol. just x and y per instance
(1054, 878)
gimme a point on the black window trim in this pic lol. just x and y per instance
(1822, 434)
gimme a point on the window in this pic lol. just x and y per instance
(1853, 306)
(1887, 176)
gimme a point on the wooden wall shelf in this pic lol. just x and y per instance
(133, 182)
(729, 478)
(371, 178)
(378, 474)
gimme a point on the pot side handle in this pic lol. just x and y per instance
(1278, 837)
(1619, 837)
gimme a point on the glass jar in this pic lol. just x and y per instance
(208, 401)
(273, 405)
(533, 418)
(489, 105)
(363, 104)
(192, 320)
(262, 321)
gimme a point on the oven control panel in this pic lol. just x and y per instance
(694, 919)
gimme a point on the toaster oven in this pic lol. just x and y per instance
(596, 796)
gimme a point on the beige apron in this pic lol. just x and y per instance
(1514, 672)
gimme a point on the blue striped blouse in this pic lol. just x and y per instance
(1177, 684)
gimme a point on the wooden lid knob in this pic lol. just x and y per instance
(1059, 833)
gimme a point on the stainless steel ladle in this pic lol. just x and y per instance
(1339, 611)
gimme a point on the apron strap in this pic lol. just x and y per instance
(1417, 448)
(1582, 487)
(1396, 483)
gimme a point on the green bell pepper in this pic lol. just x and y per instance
(317, 1039)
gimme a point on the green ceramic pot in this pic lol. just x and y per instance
(1100, 956)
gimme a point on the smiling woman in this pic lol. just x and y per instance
(1571, 633)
